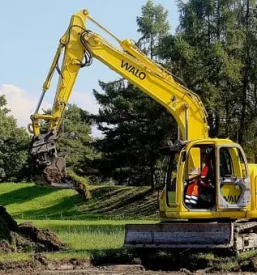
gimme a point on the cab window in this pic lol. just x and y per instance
(226, 168)
(232, 163)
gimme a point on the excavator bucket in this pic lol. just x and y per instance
(179, 235)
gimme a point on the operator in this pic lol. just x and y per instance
(192, 192)
(201, 182)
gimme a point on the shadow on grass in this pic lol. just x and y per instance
(25, 194)
(66, 207)
(126, 200)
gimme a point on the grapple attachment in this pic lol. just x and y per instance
(179, 235)
(52, 166)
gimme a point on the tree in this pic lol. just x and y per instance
(75, 139)
(135, 127)
(14, 146)
(153, 25)
(208, 54)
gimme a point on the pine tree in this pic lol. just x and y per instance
(134, 128)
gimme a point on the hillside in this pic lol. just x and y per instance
(28, 201)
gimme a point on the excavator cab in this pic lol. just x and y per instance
(209, 176)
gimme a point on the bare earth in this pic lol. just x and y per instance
(41, 265)
(106, 270)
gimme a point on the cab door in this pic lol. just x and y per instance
(233, 190)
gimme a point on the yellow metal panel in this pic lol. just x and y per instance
(231, 193)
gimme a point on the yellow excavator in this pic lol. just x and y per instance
(209, 199)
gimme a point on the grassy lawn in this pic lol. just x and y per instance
(29, 201)
(90, 229)
(87, 239)
(90, 238)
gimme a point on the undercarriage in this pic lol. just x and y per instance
(237, 236)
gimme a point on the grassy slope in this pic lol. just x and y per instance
(92, 234)
(31, 201)
(28, 201)
(120, 201)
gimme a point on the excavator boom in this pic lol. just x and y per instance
(79, 46)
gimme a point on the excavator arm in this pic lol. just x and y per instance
(78, 47)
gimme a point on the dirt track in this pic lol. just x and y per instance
(117, 270)
(74, 267)
(107, 270)
(43, 266)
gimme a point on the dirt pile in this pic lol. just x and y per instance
(25, 237)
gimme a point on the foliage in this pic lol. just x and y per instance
(135, 127)
(75, 140)
(214, 52)
(14, 144)
(153, 25)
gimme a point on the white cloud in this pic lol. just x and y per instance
(85, 102)
(22, 104)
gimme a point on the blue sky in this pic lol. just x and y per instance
(30, 31)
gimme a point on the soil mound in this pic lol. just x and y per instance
(25, 237)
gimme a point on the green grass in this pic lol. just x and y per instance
(124, 201)
(247, 255)
(28, 201)
(14, 257)
(88, 239)
(91, 229)
(89, 235)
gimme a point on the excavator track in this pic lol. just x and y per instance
(245, 236)
(235, 236)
